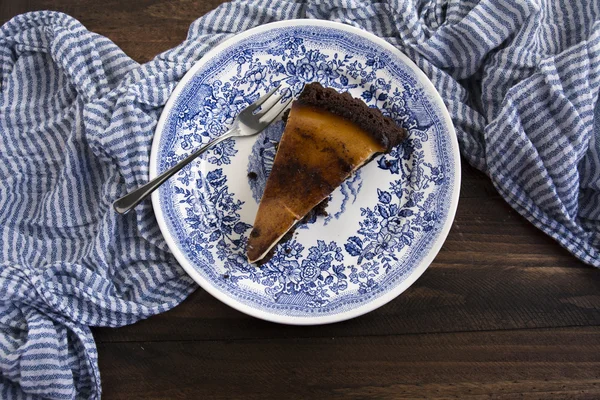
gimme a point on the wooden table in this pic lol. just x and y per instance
(503, 312)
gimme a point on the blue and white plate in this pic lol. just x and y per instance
(385, 224)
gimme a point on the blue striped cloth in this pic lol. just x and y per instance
(520, 80)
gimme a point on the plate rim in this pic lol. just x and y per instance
(306, 320)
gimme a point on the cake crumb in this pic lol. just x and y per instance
(317, 211)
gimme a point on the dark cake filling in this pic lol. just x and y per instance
(381, 128)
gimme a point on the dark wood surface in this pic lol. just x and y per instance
(503, 312)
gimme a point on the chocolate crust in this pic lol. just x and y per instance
(383, 129)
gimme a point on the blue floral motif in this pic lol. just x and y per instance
(308, 277)
(213, 214)
(319, 275)
(242, 58)
(385, 229)
(299, 66)
(222, 154)
(221, 104)
(400, 214)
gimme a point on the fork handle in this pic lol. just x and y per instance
(124, 204)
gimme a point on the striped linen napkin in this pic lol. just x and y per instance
(519, 78)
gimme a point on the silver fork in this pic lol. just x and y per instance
(248, 123)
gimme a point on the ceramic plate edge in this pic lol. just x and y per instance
(295, 320)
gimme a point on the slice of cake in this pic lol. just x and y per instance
(328, 136)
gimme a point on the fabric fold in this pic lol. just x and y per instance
(75, 132)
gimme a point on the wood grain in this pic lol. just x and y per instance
(142, 28)
(502, 313)
(444, 299)
(530, 364)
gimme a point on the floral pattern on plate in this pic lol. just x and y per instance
(383, 221)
